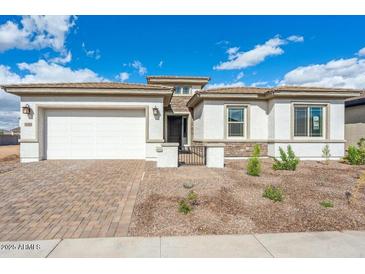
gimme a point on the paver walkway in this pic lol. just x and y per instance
(284, 245)
(68, 199)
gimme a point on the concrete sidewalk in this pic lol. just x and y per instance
(284, 245)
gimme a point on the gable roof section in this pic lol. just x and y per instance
(91, 88)
(268, 93)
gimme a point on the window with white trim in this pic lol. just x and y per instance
(185, 90)
(236, 121)
(309, 121)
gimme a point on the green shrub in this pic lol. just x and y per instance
(288, 161)
(326, 203)
(326, 153)
(254, 165)
(192, 197)
(353, 156)
(256, 151)
(273, 193)
(184, 207)
(356, 155)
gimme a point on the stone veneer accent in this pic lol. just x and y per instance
(243, 149)
(235, 149)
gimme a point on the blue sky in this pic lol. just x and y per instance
(232, 50)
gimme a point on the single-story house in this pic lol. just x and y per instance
(131, 121)
(354, 119)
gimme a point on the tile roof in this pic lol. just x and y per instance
(178, 77)
(89, 85)
(254, 90)
(235, 90)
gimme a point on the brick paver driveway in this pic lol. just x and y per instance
(68, 199)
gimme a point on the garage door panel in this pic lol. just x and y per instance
(95, 134)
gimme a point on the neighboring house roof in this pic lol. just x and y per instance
(91, 88)
(356, 101)
(268, 93)
(15, 130)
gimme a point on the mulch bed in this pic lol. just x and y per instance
(231, 202)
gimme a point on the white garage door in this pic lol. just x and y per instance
(95, 134)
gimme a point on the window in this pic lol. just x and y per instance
(182, 90)
(236, 121)
(308, 121)
(186, 90)
(177, 90)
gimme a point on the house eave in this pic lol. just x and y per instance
(316, 94)
(198, 97)
(166, 94)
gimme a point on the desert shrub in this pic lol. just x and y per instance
(273, 193)
(192, 197)
(256, 151)
(254, 165)
(326, 153)
(356, 154)
(353, 156)
(184, 207)
(326, 203)
(288, 160)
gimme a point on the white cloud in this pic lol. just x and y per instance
(361, 52)
(295, 38)
(40, 71)
(341, 73)
(160, 64)
(91, 53)
(62, 59)
(240, 76)
(123, 76)
(43, 71)
(139, 67)
(222, 42)
(225, 85)
(259, 84)
(232, 52)
(243, 59)
(36, 32)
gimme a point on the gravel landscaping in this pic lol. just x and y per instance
(9, 158)
(230, 201)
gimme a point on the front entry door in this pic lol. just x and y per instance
(177, 130)
(174, 129)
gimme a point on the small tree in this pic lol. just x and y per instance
(288, 161)
(254, 165)
(326, 153)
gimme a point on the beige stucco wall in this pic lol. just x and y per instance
(354, 124)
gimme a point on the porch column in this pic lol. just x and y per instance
(215, 155)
